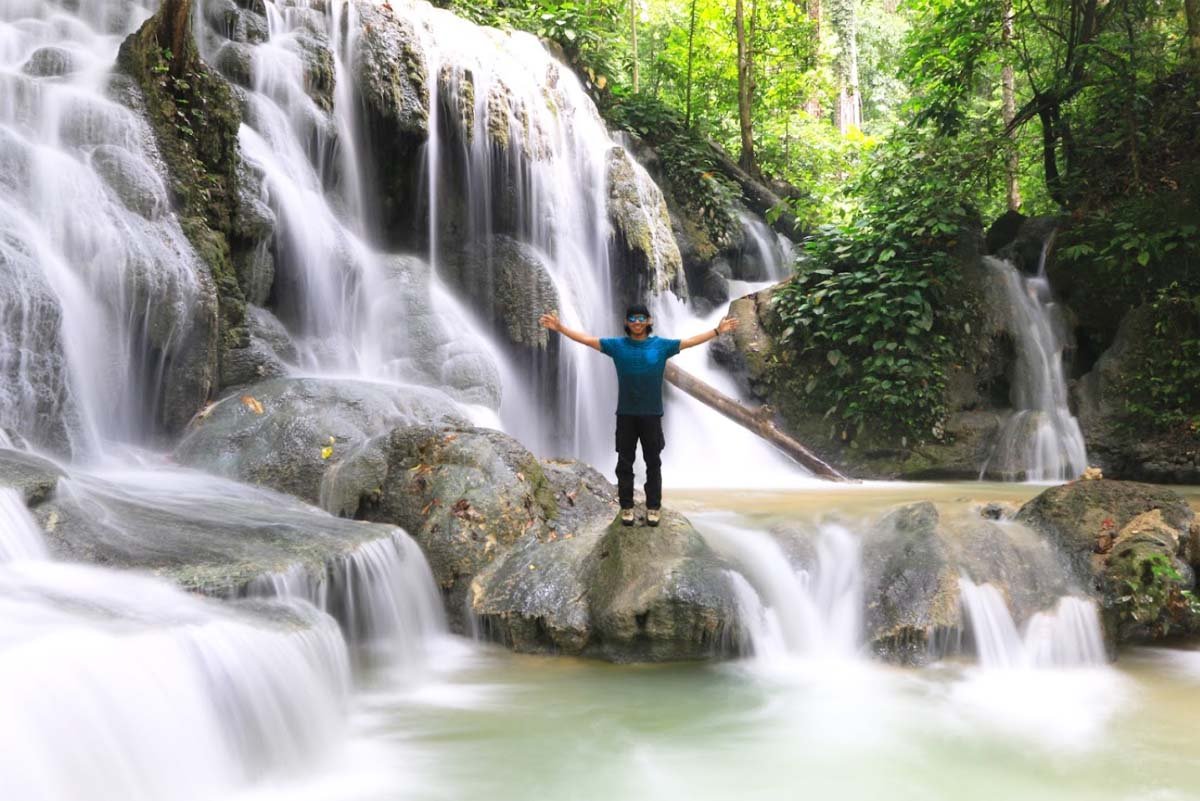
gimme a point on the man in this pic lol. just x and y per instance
(640, 360)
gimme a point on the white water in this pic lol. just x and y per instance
(1041, 440)
(383, 593)
(1068, 636)
(118, 687)
(20, 537)
(793, 612)
(769, 254)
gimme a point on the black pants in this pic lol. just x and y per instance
(648, 429)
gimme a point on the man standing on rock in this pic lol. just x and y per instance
(640, 359)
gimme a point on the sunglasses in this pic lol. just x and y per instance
(637, 318)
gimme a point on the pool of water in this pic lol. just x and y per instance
(486, 724)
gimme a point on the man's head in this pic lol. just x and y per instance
(638, 322)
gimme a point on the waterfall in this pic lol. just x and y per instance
(1068, 636)
(382, 593)
(101, 295)
(1041, 440)
(766, 255)
(20, 537)
(117, 687)
(814, 612)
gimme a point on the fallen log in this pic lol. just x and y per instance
(758, 421)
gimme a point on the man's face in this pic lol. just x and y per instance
(638, 323)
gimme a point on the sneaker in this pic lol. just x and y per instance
(627, 517)
(653, 516)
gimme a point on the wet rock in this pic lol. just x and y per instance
(34, 477)
(251, 237)
(419, 344)
(532, 550)
(910, 585)
(204, 534)
(649, 260)
(267, 354)
(135, 182)
(50, 62)
(1025, 249)
(35, 400)
(235, 60)
(509, 284)
(276, 433)
(391, 70)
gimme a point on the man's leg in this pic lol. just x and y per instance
(652, 446)
(627, 437)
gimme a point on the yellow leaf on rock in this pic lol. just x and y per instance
(252, 404)
(327, 451)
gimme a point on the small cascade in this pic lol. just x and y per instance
(1068, 636)
(812, 613)
(1041, 440)
(20, 536)
(383, 595)
(117, 687)
(766, 255)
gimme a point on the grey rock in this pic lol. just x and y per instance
(50, 61)
(650, 261)
(283, 446)
(267, 354)
(135, 182)
(34, 477)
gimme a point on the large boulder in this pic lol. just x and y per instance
(647, 256)
(1133, 544)
(286, 433)
(528, 549)
(913, 559)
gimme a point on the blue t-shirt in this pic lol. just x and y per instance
(640, 365)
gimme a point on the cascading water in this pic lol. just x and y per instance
(1068, 636)
(811, 613)
(163, 695)
(20, 537)
(382, 593)
(1041, 440)
(767, 254)
(102, 298)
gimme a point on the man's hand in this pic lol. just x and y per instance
(727, 324)
(550, 320)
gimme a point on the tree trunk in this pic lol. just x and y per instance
(633, 41)
(844, 17)
(812, 106)
(687, 113)
(757, 421)
(1013, 165)
(1191, 10)
(745, 88)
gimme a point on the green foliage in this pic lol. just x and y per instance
(872, 326)
(1163, 392)
(1153, 596)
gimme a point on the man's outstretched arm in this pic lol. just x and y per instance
(726, 325)
(552, 322)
